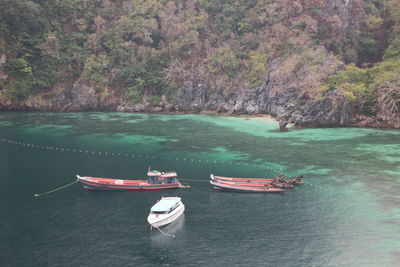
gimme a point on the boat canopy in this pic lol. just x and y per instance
(165, 205)
(159, 174)
(154, 173)
(168, 174)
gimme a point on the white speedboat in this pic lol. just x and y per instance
(165, 211)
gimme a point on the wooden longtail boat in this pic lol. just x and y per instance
(281, 181)
(245, 188)
(269, 184)
(155, 180)
(246, 180)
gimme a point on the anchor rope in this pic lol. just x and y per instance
(141, 156)
(54, 190)
(193, 180)
(164, 233)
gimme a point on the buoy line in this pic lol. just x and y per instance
(142, 156)
(135, 155)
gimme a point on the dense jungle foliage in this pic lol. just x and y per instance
(149, 48)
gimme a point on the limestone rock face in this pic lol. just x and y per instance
(3, 60)
(81, 97)
(193, 97)
(333, 110)
(286, 93)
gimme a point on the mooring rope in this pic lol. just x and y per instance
(193, 180)
(164, 233)
(54, 190)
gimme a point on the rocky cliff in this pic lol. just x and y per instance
(312, 63)
(288, 95)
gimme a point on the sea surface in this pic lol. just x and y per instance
(347, 213)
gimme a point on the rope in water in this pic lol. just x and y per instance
(54, 190)
(135, 155)
(164, 233)
(194, 180)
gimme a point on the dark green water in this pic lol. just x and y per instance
(346, 215)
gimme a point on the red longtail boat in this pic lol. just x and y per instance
(155, 180)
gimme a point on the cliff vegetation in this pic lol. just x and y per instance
(311, 62)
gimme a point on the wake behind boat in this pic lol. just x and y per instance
(155, 180)
(165, 211)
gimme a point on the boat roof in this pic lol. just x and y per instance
(168, 174)
(153, 173)
(165, 204)
(162, 174)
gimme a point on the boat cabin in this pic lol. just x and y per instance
(157, 177)
(165, 205)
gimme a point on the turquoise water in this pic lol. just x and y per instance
(347, 214)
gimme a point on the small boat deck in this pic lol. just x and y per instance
(165, 204)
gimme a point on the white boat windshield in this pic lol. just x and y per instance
(165, 205)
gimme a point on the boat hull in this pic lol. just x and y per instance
(245, 180)
(165, 219)
(245, 189)
(281, 183)
(256, 185)
(92, 183)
